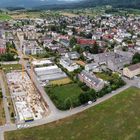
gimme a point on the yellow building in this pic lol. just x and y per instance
(132, 71)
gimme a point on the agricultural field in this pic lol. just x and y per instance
(115, 119)
(24, 15)
(4, 17)
(68, 14)
(61, 81)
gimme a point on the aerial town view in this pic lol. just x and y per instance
(69, 70)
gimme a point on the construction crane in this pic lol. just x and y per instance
(23, 61)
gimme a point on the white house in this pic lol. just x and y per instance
(31, 48)
(68, 64)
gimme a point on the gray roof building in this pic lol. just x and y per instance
(91, 80)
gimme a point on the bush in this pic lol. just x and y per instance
(1, 96)
(12, 114)
(85, 88)
(88, 96)
(136, 58)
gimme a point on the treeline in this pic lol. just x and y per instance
(8, 56)
(92, 3)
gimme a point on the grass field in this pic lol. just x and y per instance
(115, 119)
(103, 76)
(2, 115)
(25, 15)
(9, 67)
(69, 14)
(61, 81)
(9, 100)
(66, 91)
(64, 95)
(5, 17)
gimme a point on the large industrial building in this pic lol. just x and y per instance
(49, 73)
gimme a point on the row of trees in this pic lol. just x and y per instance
(1, 94)
(136, 58)
(8, 56)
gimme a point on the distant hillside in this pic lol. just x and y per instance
(115, 3)
(92, 3)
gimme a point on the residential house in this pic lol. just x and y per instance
(62, 51)
(31, 48)
(91, 80)
(94, 67)
(72, 55)
(2, 46)
(68, 64)
(86, 42)
(65, 42)
(132, 71)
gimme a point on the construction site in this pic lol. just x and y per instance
(28, 103)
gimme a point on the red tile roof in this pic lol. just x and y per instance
(2, 50)
(86, 41)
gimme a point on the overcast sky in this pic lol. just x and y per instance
(30, 3)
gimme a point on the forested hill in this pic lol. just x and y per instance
(115, 3)
(92, 3)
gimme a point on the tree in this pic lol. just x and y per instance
(73, 41)
(83, 98)
(89, 36)
(74, 31)
(1, 96)
(87, 96)
(136, 58)
(78, 49)
(85, 88)
(12, 114)
(95, 49)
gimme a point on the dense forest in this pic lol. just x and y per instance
(92, 3)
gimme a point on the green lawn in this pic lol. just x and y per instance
(65, 91)
(61, 95)
(9, 67)
(103, 76)
(115, 119)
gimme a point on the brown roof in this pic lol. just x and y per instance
(134, 67)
